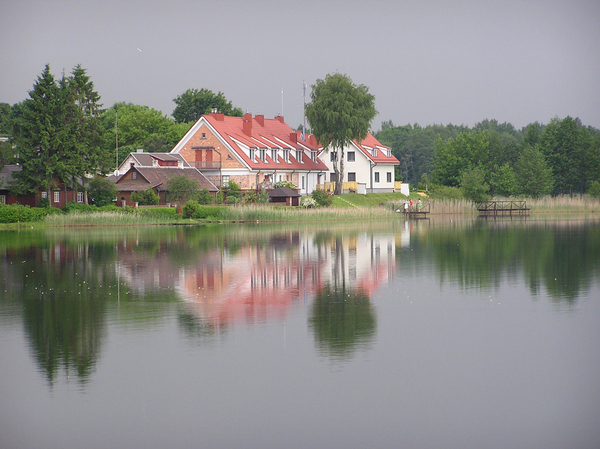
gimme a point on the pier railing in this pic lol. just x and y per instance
(501, 207)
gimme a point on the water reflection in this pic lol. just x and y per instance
(64, 285)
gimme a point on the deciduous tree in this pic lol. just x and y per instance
(194, 103)
(338, 113)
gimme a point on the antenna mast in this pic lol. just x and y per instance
(304, 109)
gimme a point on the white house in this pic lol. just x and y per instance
(370, 164)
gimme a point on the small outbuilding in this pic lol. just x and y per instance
(284, 196)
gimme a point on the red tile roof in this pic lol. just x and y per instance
(265, 134)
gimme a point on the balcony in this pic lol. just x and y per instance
(207, 165)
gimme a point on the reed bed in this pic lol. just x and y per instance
(278, 214)
(103, 219)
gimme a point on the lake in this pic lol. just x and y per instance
(452, 332)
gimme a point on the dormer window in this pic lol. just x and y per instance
(274, 155)
(262, 154)
(286, 155)
(252, 154)
(374, 152)
(313, 156)
(388, 152)
(299, 156)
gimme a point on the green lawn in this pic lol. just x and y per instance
(368, 200)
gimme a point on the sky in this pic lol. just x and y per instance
(426, 62)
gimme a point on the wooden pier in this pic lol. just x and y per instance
(417, 213)
(495, 208)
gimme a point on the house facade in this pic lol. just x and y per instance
(139, 179)
(253, 151)
(59, 196)
(142, 159)
(368, 163)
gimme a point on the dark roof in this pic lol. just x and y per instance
(283, 192)
(7, 175)
(157, 177)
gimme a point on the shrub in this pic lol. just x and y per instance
(102, 191)
(438, 191)
(73, 206)
(595, 189)
(204, 197)
(322, 198)
(288, 184)
(16, 213)
(309, 202)
(44, 202)
(145, 198)
(159, 212)
(199, 212)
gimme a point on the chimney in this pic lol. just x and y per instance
(217, 115)
(247, 124)
(260, 119)
(279, 118)
(294, 137)
(312, 140)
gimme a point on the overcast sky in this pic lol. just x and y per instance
(425, 61)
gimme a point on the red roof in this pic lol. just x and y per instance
(261, 133)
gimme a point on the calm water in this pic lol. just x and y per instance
(440, 334)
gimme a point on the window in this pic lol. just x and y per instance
(80, 197)
(374, 152)
(225, 180)
(351, 177)
(351, 156)
(274, 155)
(388, 152)
(57, 197)
(2, 199)
(252, 154)
(44, 194)
(204, 135)
(332, 177)
(313, 156)
(286, 155)
(262, 154)
(333, 156)
(376, 176)
(389, 176)
(299, 155)
(134, 175)
(302, 182)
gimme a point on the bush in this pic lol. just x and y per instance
(204, 197)
(158, 212)
(44, 202)
(309, 202)
(81, 208)
(595, 189)
(16, 213)
(199, 212)
(438, 191)
(322, 198)
(288, 184)
(102, 191)
(145, 198)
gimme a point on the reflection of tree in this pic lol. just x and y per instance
(63, 290)
(198, 328)
(562, 256)
(342, 319)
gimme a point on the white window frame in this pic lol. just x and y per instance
(44, 194)
(225, 180)
(376, 176)
(252, 154)
(80, 197)
(313, 156)
(374, 152)
(353, 174)
(299, 156)
(389, 176)
(57, 196)
(351, 156)
(2, 199)
(262, 154)
(286, 155)
(274, 155)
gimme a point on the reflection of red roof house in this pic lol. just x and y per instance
(256, 286)
(141, 178)
(252, 151)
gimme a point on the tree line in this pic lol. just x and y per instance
(61, 131)
(496, 159)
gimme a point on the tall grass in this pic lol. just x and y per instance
(274, 214)
(102, 219)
